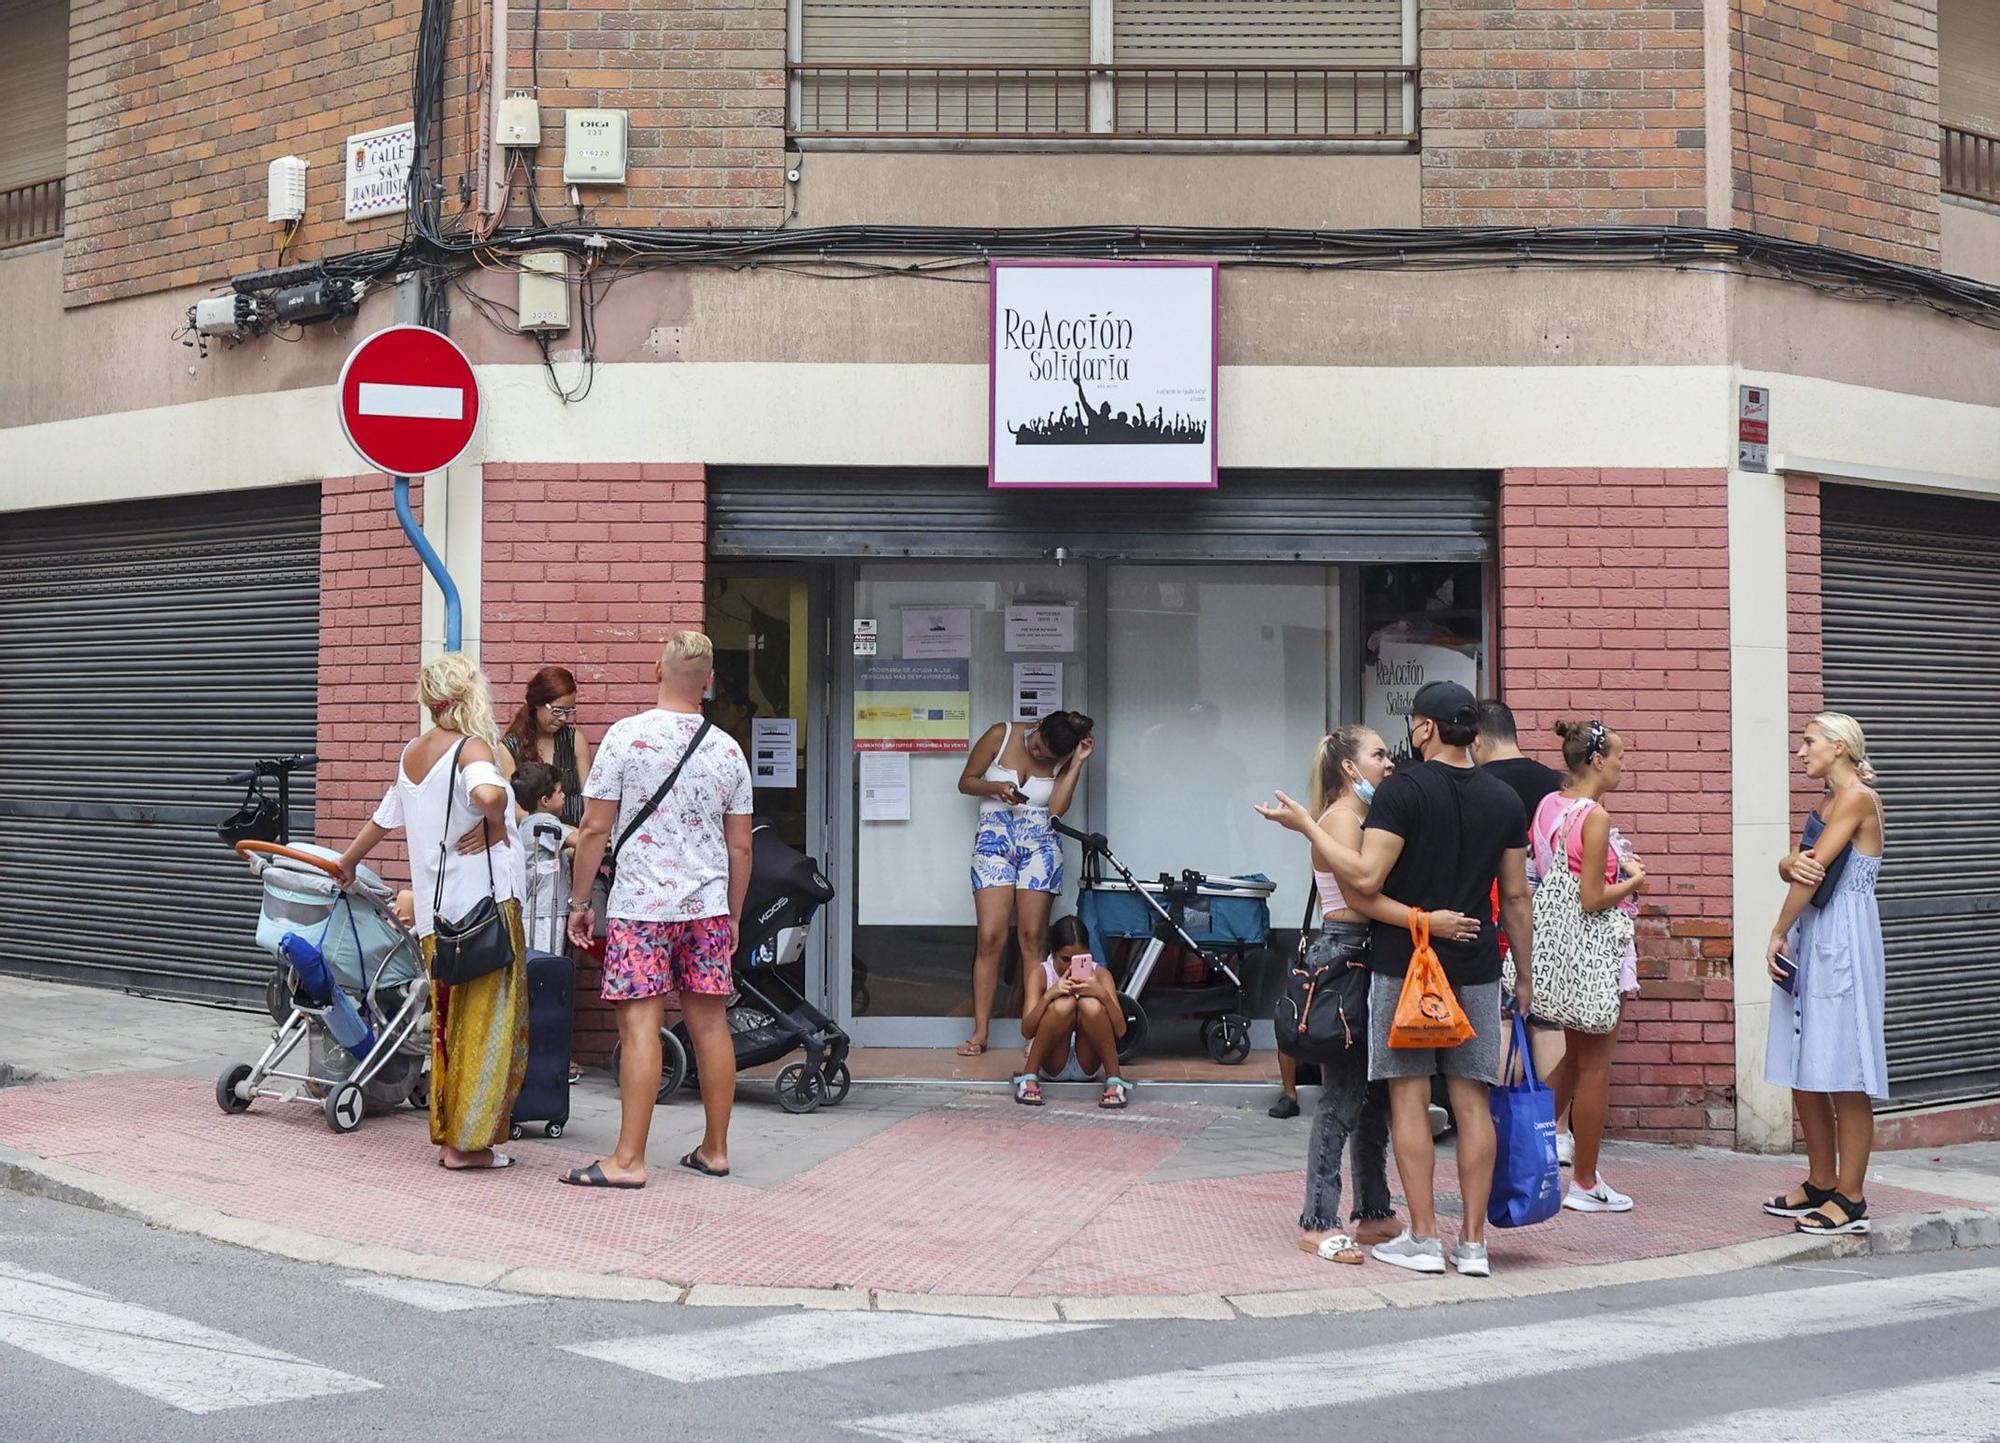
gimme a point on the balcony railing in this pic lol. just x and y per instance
(31, 212)
(1971, 163)
(897, 101)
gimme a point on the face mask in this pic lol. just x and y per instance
(1365, 790)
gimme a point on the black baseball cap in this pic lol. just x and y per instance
(1445, 701)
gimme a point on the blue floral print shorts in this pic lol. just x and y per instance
(1017, 848)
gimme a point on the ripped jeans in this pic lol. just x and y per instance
(1352, 1117)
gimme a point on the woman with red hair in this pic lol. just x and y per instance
(544, 730)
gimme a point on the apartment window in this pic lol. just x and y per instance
(1068, 70)
(1969, 97)
(34, 111)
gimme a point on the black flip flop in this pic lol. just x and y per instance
(694, 1163)
(593, 1176)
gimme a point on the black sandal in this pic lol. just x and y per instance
(1782, 1206)
(1820, 1223)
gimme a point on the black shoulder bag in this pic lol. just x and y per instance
(1322, 1009)
(480, 942)
(607, 873)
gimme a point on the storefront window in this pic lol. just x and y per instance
(1223, 680)
(1420, 623)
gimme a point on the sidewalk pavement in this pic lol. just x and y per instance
(918, 1197)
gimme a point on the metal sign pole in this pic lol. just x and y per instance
(433, 563)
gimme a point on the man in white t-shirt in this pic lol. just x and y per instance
(676, 903)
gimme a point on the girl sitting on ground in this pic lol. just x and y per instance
(1072, 1019)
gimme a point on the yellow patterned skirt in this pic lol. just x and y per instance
(479, 1048)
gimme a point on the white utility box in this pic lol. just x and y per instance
(594, 147)
(543, 303)
(520, 121)
(286, 189)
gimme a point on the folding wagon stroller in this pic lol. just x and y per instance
(768, 1017)
(1216, 920)
(359, 994)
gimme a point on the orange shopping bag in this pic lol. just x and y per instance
(1427, 1013)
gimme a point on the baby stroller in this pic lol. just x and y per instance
(357, 987)
(768, 1017)
(1217, 920)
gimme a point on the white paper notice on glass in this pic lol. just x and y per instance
(885, 786)
(774, 752)
(1037, 689)
(942, 633)
(1034, 627)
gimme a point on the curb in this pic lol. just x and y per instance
(31, 1176)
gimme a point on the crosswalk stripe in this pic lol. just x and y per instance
(434, 1297)
(191, 1367)
(1951, 1410)
(802, 1342)
(1227, 1393)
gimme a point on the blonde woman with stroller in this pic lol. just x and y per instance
(450, 800)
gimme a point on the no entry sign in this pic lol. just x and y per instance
(408, 401)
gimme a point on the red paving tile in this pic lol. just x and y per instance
(972, 1196)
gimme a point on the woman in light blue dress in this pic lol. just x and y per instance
(1826, 962)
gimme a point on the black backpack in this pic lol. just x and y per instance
(1322, 1011)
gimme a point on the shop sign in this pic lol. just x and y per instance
(378, 170)
(1753, 428)
(1102, 374)
(1400, 670)
(912, 706)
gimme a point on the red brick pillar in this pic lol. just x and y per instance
(590, 567)
(1614, 603)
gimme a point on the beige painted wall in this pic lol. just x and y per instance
(1330, 192)
(1971, 241)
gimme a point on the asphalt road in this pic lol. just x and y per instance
(113, 1331)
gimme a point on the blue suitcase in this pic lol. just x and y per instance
(551, 1022)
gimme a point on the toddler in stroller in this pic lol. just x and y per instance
(356, 986)
(768, 1017)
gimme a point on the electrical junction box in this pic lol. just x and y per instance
(543, 304)
(286, 187)
(594, 147)
(520, 121)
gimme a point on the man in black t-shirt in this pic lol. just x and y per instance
(1439, 834)
(1497, 749)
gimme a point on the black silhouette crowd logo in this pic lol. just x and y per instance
(1085, 425)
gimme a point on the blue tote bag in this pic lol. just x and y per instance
(1527, 1178)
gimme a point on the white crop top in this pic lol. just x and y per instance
(1038, 790)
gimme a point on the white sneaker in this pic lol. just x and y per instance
(1604, 1198)
(1470, 1260)
(1440, 1120)
(1566, 1148)
(1419, 1255)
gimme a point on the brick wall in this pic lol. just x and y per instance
(1806, 647)
(1569, 111)
(371, 607)
(1614, 592)
(1836, 124)
(176, 111)
(589, 567)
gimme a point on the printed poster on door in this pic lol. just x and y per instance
(1399, 671)
(912, 705)
(1103, 374)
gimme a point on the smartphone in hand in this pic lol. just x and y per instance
(1082, 967)
(1788, 973)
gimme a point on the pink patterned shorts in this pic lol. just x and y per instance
(651, 959)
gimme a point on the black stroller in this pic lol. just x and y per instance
(768, 1017)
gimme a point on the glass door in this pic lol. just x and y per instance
(769, 627)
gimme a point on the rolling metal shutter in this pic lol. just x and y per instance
(145, 650)
(1912, 637)
(1252, 516)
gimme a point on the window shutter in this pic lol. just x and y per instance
(34, 90)
(1969, 64)
(992, 35)
(1239, 97)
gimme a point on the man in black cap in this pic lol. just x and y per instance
(1438, 836)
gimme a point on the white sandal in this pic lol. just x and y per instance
(1339, 1248)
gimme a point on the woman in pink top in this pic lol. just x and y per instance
(1575, 822)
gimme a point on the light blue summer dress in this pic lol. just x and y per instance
(1828, 1038)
